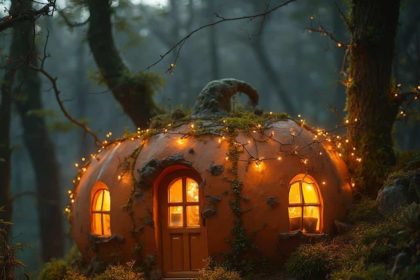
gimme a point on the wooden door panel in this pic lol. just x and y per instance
(177, 252)
(197, 254)
(184, 242)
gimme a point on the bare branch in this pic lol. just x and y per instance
(57, 92)
(178, 45)
(28, 15)
(323, 31)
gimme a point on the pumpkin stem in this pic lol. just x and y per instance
(214, 99)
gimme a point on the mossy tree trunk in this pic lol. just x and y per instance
(371, 106)
(133, 91)
(5, 149)
(27, 99)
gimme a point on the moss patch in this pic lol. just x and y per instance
(367, 251)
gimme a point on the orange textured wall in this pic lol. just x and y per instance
(259, 184)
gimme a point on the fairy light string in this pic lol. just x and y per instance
(256, 132)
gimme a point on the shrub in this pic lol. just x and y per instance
(74, 275)
(312, 261)
(53, 270)
(218, 273)
(120, 272)
(374, 272)
(364, 210)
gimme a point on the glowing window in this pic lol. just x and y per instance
(183, 203)
(304, 205)
(101, 216)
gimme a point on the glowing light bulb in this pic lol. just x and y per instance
(279, 158)
(181, 141)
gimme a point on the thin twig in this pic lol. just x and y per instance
(180, 43)
(57, 92)
(323, 31)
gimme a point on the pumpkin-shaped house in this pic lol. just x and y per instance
(215, 184)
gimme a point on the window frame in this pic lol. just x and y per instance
(102, 213)
(184, 203)
(300, 178)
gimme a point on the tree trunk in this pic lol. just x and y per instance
(27, 92)
(133, 91)
(371, 107)
(5, 149)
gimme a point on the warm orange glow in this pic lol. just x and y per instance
(181, 141)
(294, 193)
(175, 216)
(183, 199)
(192, 190)
(309, 193)
(101, 218)
(175, 191)
(193, 216)
(304, 205)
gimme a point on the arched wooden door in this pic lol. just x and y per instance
(184, 240)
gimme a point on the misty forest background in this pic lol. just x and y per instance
(278, 56)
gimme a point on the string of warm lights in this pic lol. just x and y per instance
(257, 133)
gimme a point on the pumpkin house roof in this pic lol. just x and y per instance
(239, 160)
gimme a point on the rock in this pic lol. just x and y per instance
(258, 112)
(272, 201)
(341, 227)
(414, 186)
(208, 212)
(402, 191)
(216, 170)
(177, 114)
(392, 197)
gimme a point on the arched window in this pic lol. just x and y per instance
(304, 204)
(100, 210)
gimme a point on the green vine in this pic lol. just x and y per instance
(241, 243)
